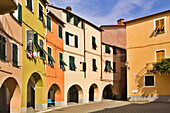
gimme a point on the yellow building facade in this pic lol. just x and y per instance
(33, 73)
(148, 40)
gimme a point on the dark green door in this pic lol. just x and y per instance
(91, 94)
(73, 94)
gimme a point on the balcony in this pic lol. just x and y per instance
(7, 6)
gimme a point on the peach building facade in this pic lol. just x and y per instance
(114, 57)
(147, 38)
(11, 61)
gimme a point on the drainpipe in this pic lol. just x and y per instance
(84, 51)
(101, 58)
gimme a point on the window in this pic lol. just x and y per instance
(160, 26)
(114, 67)
(49, 23)
(107, 49)
(42, 55)
(30, 40)
(14, 54)
(72, 63)
(160, 55)
(94, 42)
(94, 64)
(71, 39)
(60, 31)
(84, 66)
(18, 13)
(41, 12)
(2, 47)
(75, 21)
(49, 49)
(108, 67)
(122, 56)
(30, 5)
(114, 51)
(149, 80)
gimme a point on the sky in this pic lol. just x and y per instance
(107, 12)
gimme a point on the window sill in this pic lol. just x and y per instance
(17, 66)
(155, 34)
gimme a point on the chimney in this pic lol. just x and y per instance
(120, 21)
(68, 8)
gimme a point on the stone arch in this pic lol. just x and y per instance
(75, 94)
(93, 92)
(34, 89)
(54, 93)
(108, 92)
(10, 96)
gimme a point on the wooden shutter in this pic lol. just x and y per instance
(48, 23)
(84, 66)
(107, 49)
(15, 54)
(60, 58)
(114, 67)
(76, 21)
(2, 47)
(82, 24)
(94, 42)
(41, 12)
(160, 55)
(19, 13)
(114, 51)
(67, 38)
(94, 64)
(76, 41)
(68, 17)
(60, 31)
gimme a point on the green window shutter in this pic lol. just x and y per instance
(2, 47)
(49, 52)
(107, 49)
(72, 63)
(48, 23)
(60, 59)
(114, 67)
(94, 65)
(82, 24)
(67, 38)
(60, 31)
(35, 38)
(94, 42)
(114, 51)
(68, 17)
(15, 54)
(106, 67)
(84, 66)
(76, 41)
(19, 13)
(76, 21)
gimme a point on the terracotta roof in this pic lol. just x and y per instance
(146, 16)
(112, 26)
(76, 16)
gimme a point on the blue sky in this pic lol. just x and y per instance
(104, 12)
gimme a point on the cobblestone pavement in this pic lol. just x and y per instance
(116, 107)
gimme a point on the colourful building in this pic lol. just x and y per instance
(55, 70)
(114, 58)
(82, 54)
(10, 57)
(148, 41)
(33, 54)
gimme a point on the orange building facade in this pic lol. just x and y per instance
(54, 71)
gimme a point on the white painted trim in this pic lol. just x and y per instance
(154, 81)
(51, 51)
(12, 50)
(51, 23)
(164, 24)
(159, 50)
(39, 43)
(32, 5)
(5, 45)
(59, 58)
(39, 8)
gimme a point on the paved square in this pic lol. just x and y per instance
(116, 107)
